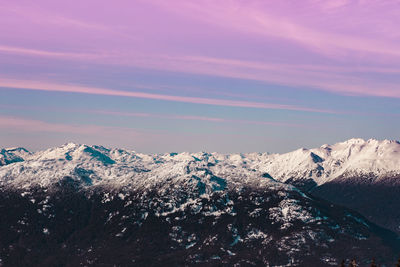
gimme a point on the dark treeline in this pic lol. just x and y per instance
(353, 263)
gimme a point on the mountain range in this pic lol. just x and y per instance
(90, 205)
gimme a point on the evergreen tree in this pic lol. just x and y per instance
(353, 263)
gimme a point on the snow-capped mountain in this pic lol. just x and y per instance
(355, 157)
(90, 205)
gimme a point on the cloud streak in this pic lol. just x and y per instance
(265, 19)
(160, 116)
(53, 87)
(44, 53)
(31, 125)
(335, 79)
(195, 118)
(316, 77)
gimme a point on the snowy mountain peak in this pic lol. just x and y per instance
(362, 142)
(74, 152)
(70, 145)
(16, 149)
(354, 156)
(355, 141)
(323, 164)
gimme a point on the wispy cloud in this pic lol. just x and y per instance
(39, 15)
(331, 79)
(335, 79)
(54, 87)
(158, 116)
(32, 125)
(195, 118)
(46, 53)
(338, 80)
(258, 17)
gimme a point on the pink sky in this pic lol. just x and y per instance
(339, 37)
(281, 58)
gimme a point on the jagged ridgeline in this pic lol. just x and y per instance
(89, 205)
